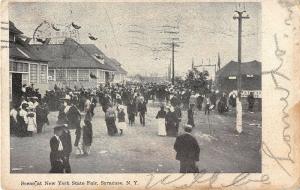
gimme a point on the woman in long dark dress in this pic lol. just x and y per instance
(171, 120)
(110, 119)
(87, 136)
(191, 116)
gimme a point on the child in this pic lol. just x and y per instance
(121, 119)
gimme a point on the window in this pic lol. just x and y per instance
(18, 67)
(60, 75)
(33, 73)
(83, 75)
(43, 74)
(72, 75)
(101, 76)
(51, 75)
(25, 78)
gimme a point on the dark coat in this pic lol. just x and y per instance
(73, 114)
(142, 107)
(66, 142)
(161, 114)
(41, 115)
(131, 108)
(191, 117)
(171, 124)
(62, 117)
(56, 156)
(187, 148)
(88, 134)
(22, 126)
(178, 113)
(121, 116)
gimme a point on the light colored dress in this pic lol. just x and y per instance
(122, 125)
(239, 113)
(161, 127)
(31, 122)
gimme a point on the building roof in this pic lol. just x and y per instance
(19, 49)
(117, 65)
(13, 29)
(70, 54)
(247, 68)
(92, 49)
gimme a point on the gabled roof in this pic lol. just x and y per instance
(92, 49)
(22, 51)
(13, 29)
(247, 68)
(69, 54)
(117, 66)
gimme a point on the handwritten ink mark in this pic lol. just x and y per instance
(279, 53)
(164, 181)
(243, 179)
(269, 153)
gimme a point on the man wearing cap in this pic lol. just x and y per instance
(187, 149)
(56, 154)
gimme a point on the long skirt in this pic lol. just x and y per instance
(31, 124)
(172, 130)
(122, 125)
(161, 127)
(111, 126)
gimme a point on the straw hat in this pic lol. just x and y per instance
(188, 126)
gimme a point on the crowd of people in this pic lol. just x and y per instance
(76, 111)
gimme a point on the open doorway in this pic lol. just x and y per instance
(16, 88)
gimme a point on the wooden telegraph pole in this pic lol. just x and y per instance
(239, 108)
(240, 18)
(173, 70)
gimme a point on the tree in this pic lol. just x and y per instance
(197, 81)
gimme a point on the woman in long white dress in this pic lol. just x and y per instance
(161, 121)
(239, 113)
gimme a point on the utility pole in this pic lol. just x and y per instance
(173, 45)
(173, 70)
(170, 70)
(240, 16)
(239, 109)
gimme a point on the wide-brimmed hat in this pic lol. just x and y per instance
(187, 126)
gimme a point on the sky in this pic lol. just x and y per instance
(138, 34)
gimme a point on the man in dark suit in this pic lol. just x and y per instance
(56, 155)
(142, 108)
(67, 148)
(188, 150)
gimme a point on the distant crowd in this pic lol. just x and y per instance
(76, 109)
